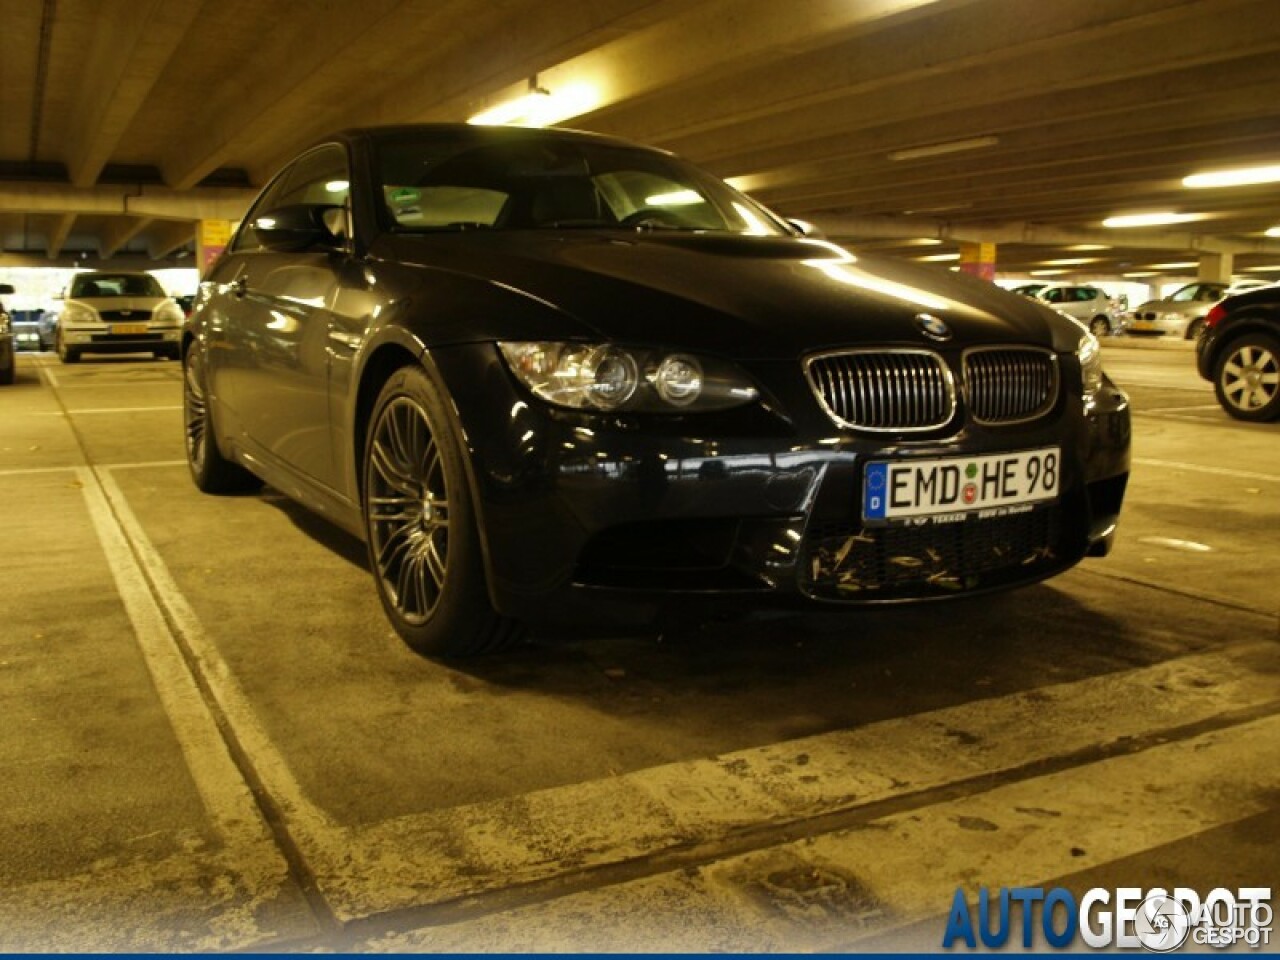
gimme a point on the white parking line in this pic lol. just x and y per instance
(225, 793)
(79, 410)
(28, 471)
(1199, 468)
(361, 869)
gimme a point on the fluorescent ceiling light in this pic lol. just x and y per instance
(939, 257)
(1069, 262)
(1273, 232)
(938, 149)
(1141, 273)
(1183, 265)
(1088, 246)
(1045, 273)
(336, 186)
(1240, 177)
(1148, 219)
(540, 108)
(1269, 268)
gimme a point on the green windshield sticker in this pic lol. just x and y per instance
(405, 195)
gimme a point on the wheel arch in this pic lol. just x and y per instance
(382, 362)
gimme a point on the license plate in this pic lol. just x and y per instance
(1143, 325)
(128, 329)
(953, 488)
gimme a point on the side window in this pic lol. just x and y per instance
(1054, 295)
(319, 178)
(246, 238)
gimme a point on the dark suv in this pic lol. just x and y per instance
(1239, 352)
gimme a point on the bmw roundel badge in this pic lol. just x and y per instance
(932, 327)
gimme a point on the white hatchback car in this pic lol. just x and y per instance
(118, 312)
(1089, 305)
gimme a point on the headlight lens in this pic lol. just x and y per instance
(4, 323)
(78, 313)
(168, 313)
(585, 376)
(1089, 354)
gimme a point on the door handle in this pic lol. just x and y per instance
(238, 287)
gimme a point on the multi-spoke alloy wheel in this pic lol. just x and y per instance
(1248, 380)
(424, 541)
(408, 504)
(210, 470)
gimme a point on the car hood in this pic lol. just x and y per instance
(738, 296)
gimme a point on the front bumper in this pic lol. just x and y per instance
(101, 339)
(612, 519)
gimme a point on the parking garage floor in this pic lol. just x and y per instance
(214, 741)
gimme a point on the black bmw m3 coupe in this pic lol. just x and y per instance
(555, 378)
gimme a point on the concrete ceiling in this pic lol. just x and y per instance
(122, 121)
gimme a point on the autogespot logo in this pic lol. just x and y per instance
(1127, 918)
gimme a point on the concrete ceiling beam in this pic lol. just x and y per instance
(206, 203)
(164, 238)
(1045, 73)
(880, 228)
(130, 50)
(124, 229)
(58, 235)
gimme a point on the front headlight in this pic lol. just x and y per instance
(168, 314)
(78, 313)
(1089, 353)
(605, 377)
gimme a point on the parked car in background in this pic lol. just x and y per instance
(47, 329)
(1089, 305)
(118, 312)
(1183, 312)
(8, 363)
(559, 378)
(1239, 352)
(1029, 289)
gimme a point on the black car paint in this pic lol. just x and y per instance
(1252, 311)
(297, 344)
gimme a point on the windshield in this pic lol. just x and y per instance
(115, 285)
(475, 180)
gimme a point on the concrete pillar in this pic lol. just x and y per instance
(1215, 267)
(212, 237)
(978, 259)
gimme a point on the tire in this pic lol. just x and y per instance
(1100, 326)
(1246, 377)
(67, 354)
(420, 525)
(1195, 328)
(211, 471)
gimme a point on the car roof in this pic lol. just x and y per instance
(494, 134)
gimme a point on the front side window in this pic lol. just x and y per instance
(318, 178)
(516, 181)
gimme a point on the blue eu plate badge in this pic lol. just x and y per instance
(874, 490)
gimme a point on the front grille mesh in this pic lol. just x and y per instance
(898, 390)
(1009, 385)
(913, 390)
(851, 563)
(117, 316)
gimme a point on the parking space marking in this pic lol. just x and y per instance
(1200, 468)
(225, 793)
(144, 464)
(447, 855)
(836, 890)
(1197, 406)
(27, 471)
(79, 410)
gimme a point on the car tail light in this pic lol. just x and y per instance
(1214, 316)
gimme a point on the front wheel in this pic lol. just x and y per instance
(1100, 326)
(1247, 378)
(420, 525)
(1195, 329)
(67, 354)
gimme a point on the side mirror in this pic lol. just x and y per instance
(807, 229)
(6, 288)
(300, 226)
